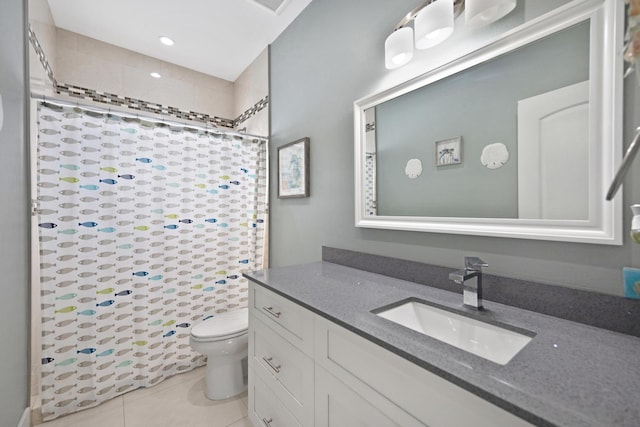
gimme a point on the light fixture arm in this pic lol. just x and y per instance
(458, 8)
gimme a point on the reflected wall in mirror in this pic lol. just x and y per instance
(481, 105)
(548, 92)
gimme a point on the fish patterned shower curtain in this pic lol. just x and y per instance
(144, 229)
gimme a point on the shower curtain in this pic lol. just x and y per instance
(144, 229)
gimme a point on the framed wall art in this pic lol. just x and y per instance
(449, 152)
(293, 169)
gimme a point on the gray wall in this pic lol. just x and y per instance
(332, 55)
(14, 356)
(480, 105)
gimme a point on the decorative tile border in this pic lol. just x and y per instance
(139, 104)
(259, 106)
(40, 52)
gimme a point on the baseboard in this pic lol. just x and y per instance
(25, 419)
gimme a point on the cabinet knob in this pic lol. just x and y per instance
(267, 422)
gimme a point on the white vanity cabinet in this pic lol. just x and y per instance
(331, 377)
(281, 369)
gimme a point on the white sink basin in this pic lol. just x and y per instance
(496, 343)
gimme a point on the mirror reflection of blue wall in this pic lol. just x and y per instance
(480, 105)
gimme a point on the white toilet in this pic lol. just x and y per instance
(224, 340)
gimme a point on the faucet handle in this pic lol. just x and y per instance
(474, 263)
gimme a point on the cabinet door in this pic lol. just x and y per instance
(364, 366)
(339, 406)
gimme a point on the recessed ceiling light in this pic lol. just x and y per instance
(166, 40)
(155, 75)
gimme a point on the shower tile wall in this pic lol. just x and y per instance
(42, 24)
(86, 62)
(250, 88)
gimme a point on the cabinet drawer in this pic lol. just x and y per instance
(265, 410)
(284, 368)
(288, 319)
(363, 365)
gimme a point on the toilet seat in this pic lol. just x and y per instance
(219, 338)
(224, 326)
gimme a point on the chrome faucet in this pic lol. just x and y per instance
(471, 280)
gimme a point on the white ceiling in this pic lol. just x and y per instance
(216, 37)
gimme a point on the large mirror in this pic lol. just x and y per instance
(517, 139)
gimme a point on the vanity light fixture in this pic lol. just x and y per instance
(398, 48)
(482, 12)
(433, 23)
(155, 75)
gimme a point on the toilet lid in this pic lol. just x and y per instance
(222, 325)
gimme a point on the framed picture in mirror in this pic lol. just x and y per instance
(449, 152)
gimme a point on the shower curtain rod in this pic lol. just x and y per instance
(119, 111)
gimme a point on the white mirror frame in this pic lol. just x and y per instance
(604, 225)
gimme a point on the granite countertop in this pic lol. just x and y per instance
(570, 374)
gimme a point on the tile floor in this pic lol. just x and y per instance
(176, 402)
